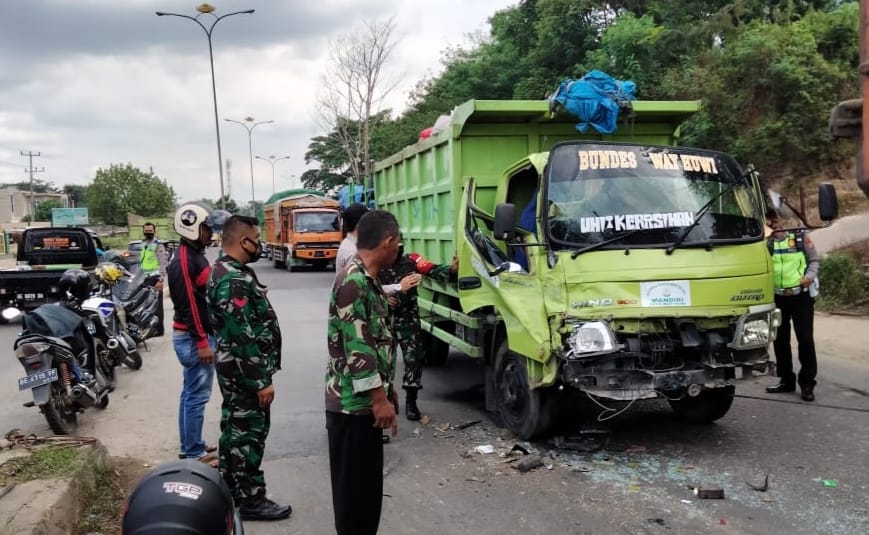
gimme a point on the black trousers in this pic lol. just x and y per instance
(356, 464)
(800, 309)
(160, 329)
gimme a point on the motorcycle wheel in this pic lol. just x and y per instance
(104, 361)
(133, 360)
(61, 417)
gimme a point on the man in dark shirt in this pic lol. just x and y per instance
(192, 336)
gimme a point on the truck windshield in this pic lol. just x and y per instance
(597, 192)
(316, 222)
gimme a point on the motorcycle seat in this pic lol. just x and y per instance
(32, 338)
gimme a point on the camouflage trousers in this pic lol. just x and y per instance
(244, 427)
(407, 336)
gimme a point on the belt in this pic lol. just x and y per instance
(180, 331)
(796, 290)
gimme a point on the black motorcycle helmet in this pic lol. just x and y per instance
(76, 282)
(185, 497)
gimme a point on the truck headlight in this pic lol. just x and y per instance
(756, 330)
(590, 338)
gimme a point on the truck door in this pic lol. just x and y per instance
(488, 278)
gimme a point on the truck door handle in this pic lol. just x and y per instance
(470, 283)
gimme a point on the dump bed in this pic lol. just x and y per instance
(422, 184)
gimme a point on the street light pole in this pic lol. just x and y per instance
(273, 160)
(206, 9)
(250, 150)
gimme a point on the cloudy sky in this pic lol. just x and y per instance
(88, 83)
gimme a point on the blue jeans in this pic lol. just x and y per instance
(198, 379)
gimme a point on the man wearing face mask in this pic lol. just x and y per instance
(154, 259)
(248, 354)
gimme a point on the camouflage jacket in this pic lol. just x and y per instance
(407, 265)
(245, 324)
(360, 340)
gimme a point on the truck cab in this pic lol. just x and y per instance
(617, 267)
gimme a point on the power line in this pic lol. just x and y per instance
(30, 154)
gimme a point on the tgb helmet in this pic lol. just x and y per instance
(185, 497)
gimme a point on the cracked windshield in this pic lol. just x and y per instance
(598, 192)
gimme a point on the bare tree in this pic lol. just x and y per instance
(353, 89)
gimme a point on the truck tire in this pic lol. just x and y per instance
(709, 406)
(436, 350)
(525, 411)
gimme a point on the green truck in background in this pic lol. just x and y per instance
(617, 266)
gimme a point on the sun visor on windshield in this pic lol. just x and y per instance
(574, 161)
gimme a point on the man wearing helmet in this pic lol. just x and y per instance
(192, 337)
(248, 355)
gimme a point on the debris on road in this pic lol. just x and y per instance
(830, 483)
(760, 488)
(520, 448)
(464, 425)
(528, 463)
(635, 449)
(588, 440)
(485, 449)
(709, 494)
(425, 420)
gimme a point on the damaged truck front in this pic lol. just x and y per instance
(619, 267)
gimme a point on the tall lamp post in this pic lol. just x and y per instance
(273, 160)
(207, 9)
(249, 125)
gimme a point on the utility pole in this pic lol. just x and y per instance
(228, 180)
(30, 154)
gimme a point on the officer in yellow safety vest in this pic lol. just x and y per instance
(153, 258)
(795, 270)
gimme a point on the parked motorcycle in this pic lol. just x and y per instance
(66, 365)
(76, 285)
(135, 297)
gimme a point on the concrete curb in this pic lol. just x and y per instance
(52, 507)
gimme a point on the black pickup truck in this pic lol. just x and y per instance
(43, 255)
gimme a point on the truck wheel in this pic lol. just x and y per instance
(436, 350)
(525, 411)
(709, 406)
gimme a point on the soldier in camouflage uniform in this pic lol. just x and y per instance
(361, 400)
(248, 354)
(406, 313)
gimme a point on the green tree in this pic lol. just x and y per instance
(76, 194)
(43, 210)
(123, 189)
(39, 186)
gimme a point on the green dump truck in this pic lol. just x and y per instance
(618, 267)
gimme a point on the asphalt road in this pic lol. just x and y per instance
(637, 483)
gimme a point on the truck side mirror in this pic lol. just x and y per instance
(505, 221)
(828, 202)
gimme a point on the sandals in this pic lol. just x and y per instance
(210, 459)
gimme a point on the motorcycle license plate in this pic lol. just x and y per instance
(38, 379)
(31, 296)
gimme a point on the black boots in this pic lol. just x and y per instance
(781, 388)
(410, 408)
(262, 508)
(807, 393)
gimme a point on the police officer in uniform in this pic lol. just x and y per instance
(153, 259)
(248, 355)
(795, 269)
